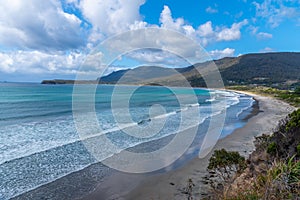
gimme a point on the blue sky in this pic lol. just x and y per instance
(50, 39)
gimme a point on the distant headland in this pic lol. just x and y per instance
(279, 70)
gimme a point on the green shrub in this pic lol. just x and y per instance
(272, 148)
(267, 177)
(224, 166)
(298, 150)
(297, 90)
(294, 120)
(226, 161)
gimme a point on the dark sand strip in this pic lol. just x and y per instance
(171, 185)
(93, 182)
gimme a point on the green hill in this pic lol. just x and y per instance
(280, 70)
(270, 69)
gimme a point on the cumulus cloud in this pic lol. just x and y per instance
(6, 63)
(39, 25)
(217, 54)
(276, 11)
(232, 33)
(151, 38)
(167, 21)
(45, 35)
(37, 62)
(59, 64)
(47, 38)
(205, 33)
(111, 17)
(206, 29)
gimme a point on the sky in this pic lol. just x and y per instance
(51, 39)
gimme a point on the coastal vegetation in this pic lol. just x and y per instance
(272, 170)
(223, 168)
(290, 96)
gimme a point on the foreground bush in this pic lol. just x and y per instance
(273, 169)
(224, 166)
(281, 181)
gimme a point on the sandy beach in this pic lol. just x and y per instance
(171, 185)
(89, 184)
(133, 100)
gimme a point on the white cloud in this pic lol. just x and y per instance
(267, 49)
(206, 29)
(35, 25)
(152, 38)
(253, 29)
(37, 62)
(76, 2)
(211, 10)
(167, 20)
(46, 36)
(263, 35)
(6, 63)
(276, 11)
(260, 35)
(159, 39)
(205, 33)
(138, 25)
(232, 33)
(111, 17)
(157, 57)
(217, 54)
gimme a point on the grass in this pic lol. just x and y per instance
(281, 181)
(273, 170)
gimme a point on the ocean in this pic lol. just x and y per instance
(39, 142)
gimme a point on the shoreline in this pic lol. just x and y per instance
(171, 184)
(166, 183)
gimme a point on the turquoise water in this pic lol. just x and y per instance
(40, 143)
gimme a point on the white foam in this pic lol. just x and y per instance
(41, 136)
(245, 108)
(229, 98)
(210, 100)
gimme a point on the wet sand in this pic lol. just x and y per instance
(171, 185)
(91, 184)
